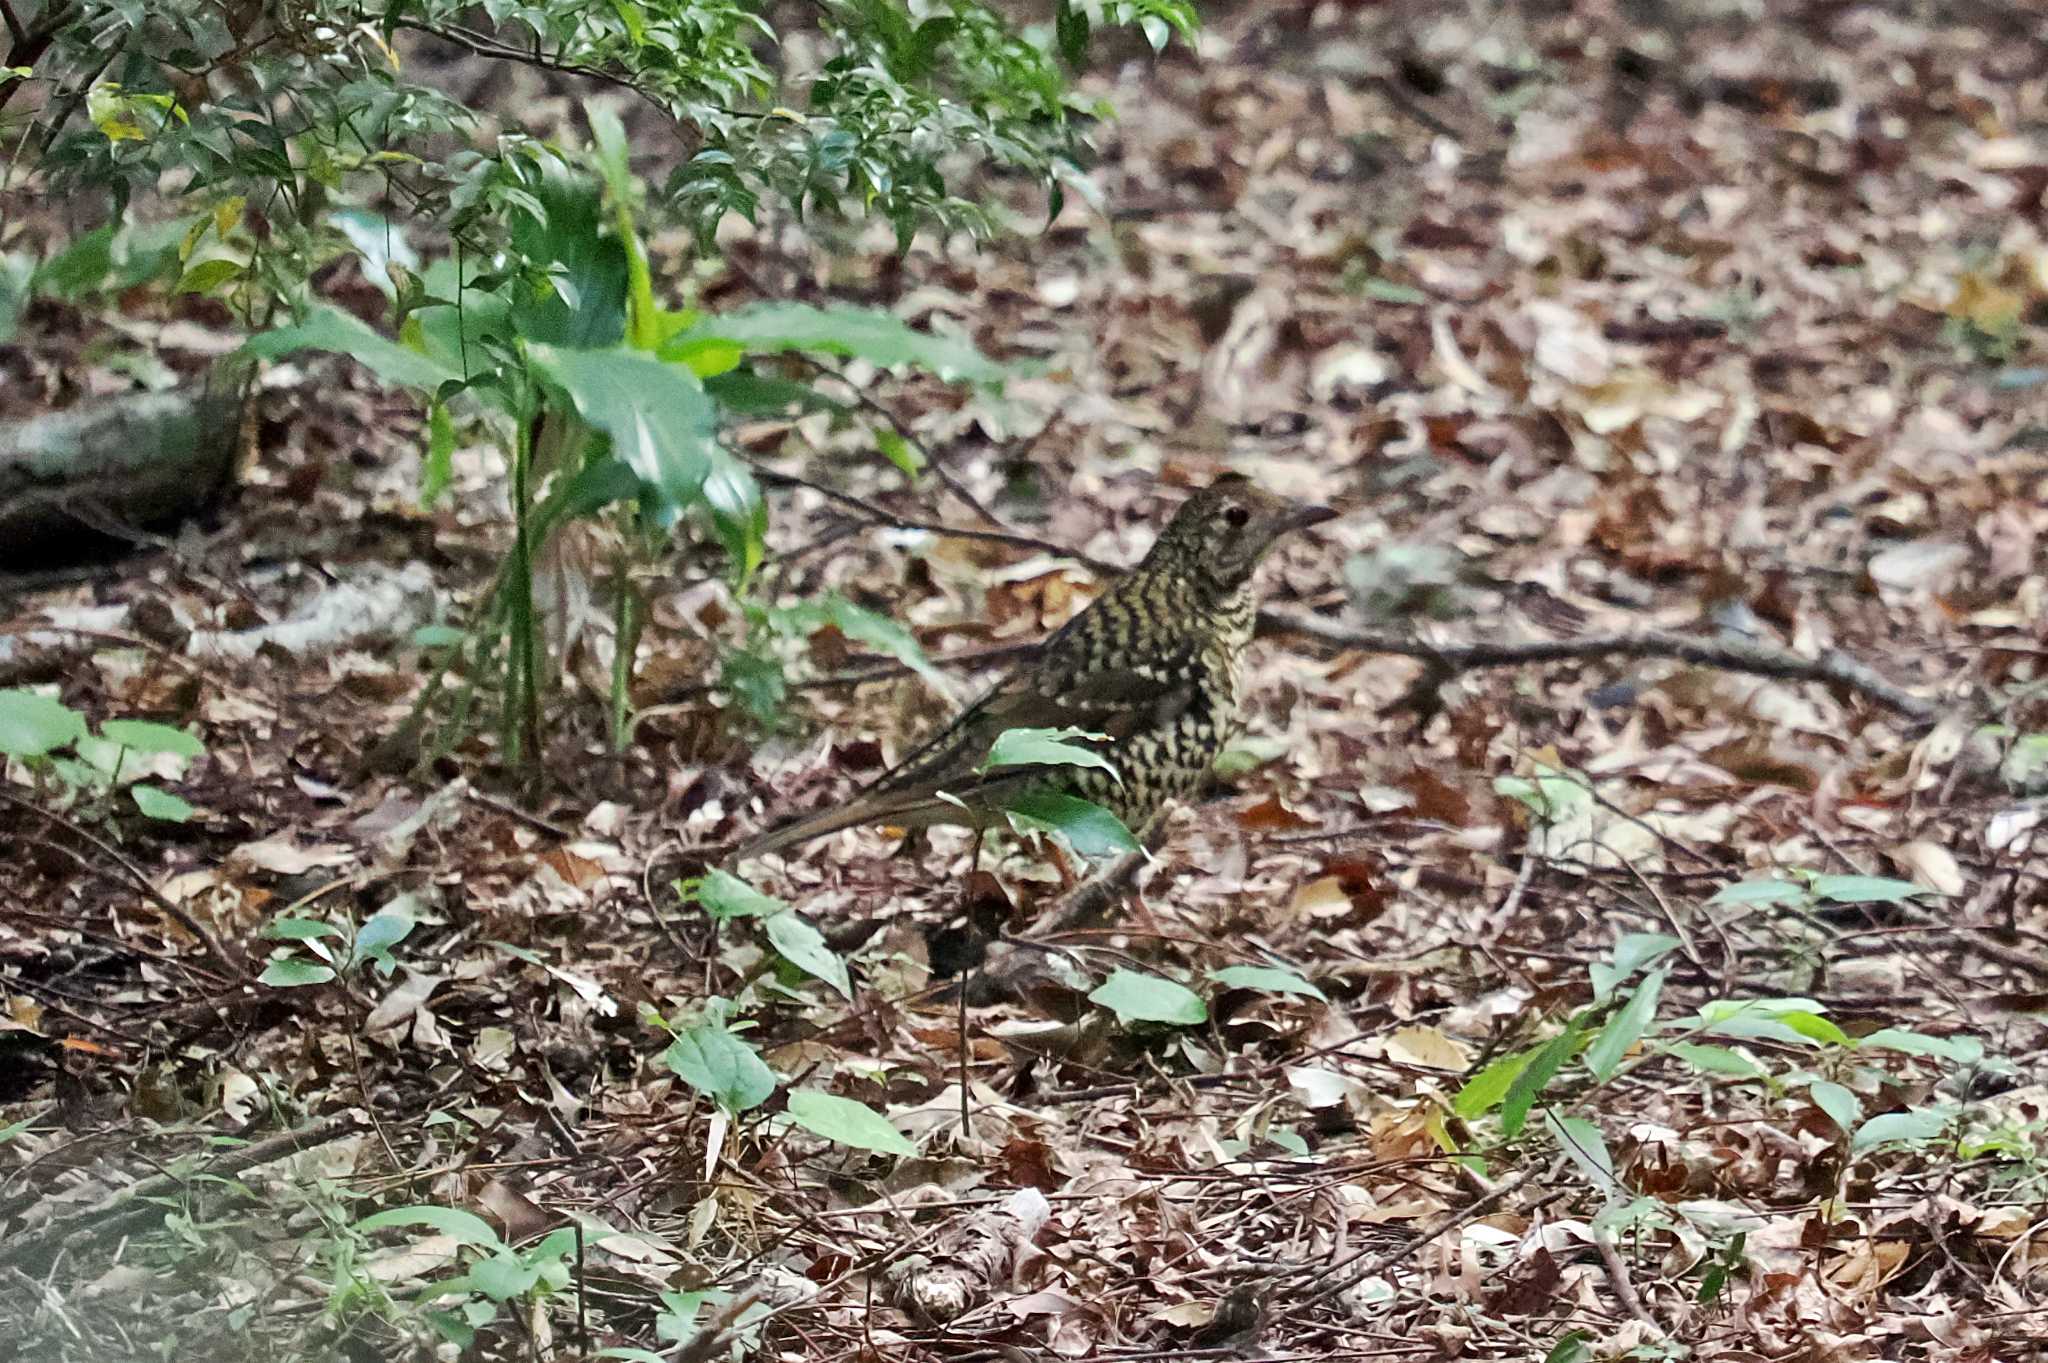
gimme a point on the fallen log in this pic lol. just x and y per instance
(94, 478)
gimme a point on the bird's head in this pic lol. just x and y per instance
(1222, 533)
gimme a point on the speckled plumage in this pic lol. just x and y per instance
(1155, 664)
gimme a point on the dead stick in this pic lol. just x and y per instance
(1728, 655)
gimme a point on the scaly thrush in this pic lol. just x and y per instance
(1155, 664)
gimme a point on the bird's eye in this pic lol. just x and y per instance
(1237, 516)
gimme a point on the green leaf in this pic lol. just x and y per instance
(804, 947)
(1638, 949)
(725, 897)
(1248, 753)
(1843, 1107)
(858, 333)
(1138, 997)
(1071, 27)
(300, 930)
(384, 930)
(1866, 889)
(1271, 979)
(1625, 1028)
(1089, 829)
(1046, 747)
(437, 470)
(465, 1228)
(1571, 1347)
(208, 276)
(711, 1060)
(292, 972)
(1717, 1060)
(502, 1277)
(1960, 1050)
(862, 626)
(847, 1122)
(1582, 1140)
(1485, 1090)
(328, 328)
(32, 724)
(139, 735)
(658, 418)
(749, 394)
(900, 452)
(1914, 1127)
(161, 804)
(737, 512)
(1534, 1078)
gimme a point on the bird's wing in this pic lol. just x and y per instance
(1116, 702)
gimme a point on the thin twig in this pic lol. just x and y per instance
(1618, 1279)
(876, 515)
(1728, 655)
(175, 912)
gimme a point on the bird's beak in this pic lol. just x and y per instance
(1302, 517)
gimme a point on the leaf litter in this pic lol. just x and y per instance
(1611, 326)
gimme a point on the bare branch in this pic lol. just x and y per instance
(1729, 655)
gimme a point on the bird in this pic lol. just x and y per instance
(1152, 669)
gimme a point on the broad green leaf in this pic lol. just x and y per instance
(720, 1066)
(1272, 979)
(291, 972)
(1913, 1127)
(1843, 1107)
(725, 897)
(299, 930)
(1760, 892)
(1866, 889)
(804, 947)
(139, 735)
(208, 276)
(1961, 1050)
(1534, 1078)
(501, 1277)
(1638, 949)
(384, 930)
(658, 418)
(707, 356)
(161, 804)
(1045, 747)
(32, 725)
(859, 333)
(465, 1228)
(329, 328)
(1089, 829)
(1138, 997)
(749, 394)
(1717, 1060)
(847, 1122)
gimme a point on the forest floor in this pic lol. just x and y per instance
(1722, 975)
